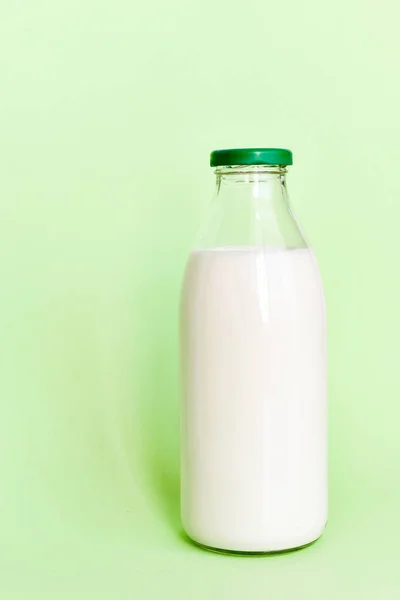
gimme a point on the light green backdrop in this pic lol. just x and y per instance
(108, 113)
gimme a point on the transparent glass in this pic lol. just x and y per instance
(253, 417)
(251, 207)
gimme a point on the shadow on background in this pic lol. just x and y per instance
(159, 401)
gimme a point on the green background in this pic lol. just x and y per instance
(108, 113)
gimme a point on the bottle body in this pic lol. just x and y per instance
(253, 436)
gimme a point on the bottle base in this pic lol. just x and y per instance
(251, 553)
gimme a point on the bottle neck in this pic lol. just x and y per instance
(251, 208)
(262, 182)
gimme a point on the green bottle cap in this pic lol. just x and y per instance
(251, 156)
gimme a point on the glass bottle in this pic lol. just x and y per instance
(253, 367)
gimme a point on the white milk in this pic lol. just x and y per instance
(254, 399)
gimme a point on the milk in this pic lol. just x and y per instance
(254, 399)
